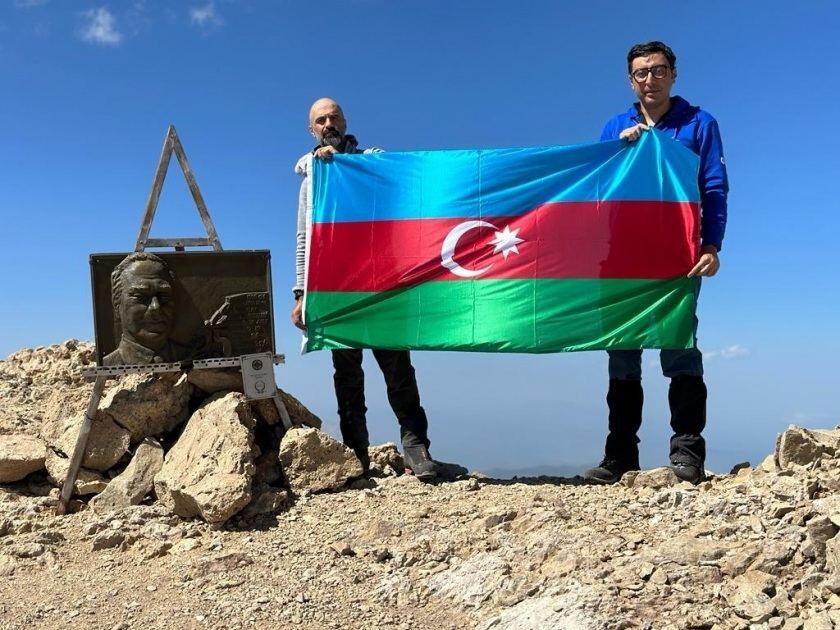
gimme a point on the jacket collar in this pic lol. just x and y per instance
(679, 107)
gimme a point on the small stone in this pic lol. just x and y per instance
(660, 576)
(108, 539)
(342, 548)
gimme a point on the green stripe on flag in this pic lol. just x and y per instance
(543, 315)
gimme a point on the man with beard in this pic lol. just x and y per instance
(652, 70)
(328, 125)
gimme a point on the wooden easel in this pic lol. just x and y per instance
(171, 143)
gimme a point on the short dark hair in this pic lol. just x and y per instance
(122, 267)
(643, 50)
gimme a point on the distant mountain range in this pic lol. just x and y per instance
(547, 470)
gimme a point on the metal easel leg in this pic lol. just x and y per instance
(284, 413)
(81, 445)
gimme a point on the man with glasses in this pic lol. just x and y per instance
(652, 69)
(329, 127)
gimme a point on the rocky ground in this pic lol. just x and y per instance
(755, 549)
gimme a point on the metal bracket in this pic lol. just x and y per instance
(184, 366)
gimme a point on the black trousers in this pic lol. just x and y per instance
(403, 396)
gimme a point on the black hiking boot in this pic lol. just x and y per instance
(688, 472)
(419, 462)
(609, 471)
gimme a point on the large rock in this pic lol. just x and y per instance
(385, 456)
(20, 455)
(215, 381)
(135, 482)
(750, 595)
(472, 581)
(87, 481)
(107, 441)
(147, 405)
(230, 380)
(656, 478)
(829, 506)
(208, 472)
(298, 413)
(315, 461)
(801, 447)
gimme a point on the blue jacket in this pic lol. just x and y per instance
(698, 131)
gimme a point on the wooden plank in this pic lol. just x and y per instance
(179, 242)
(81, 445)
(154, 194)
(196, 193)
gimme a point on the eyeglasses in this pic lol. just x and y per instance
(658, 72)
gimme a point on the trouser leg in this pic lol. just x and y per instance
(349, 382)
(624, 399)
(404, 396)
(687, 400)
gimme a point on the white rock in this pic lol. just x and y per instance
(20, 455)
(135, 482)
(315, 461)
(208, 472)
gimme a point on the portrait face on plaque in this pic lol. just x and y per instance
(180, 306)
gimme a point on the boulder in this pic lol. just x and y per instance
(472, 581)
(315, 461)
(107, 441)
(20, 455)
(208, 471)
(801, 447)
(829, 506)
(656, 478)
(87, 481)
(384, 456)
(750, 595)
(215, 381)
(266, 409)
(147, 405)
(135, 482)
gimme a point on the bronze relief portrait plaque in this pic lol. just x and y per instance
(181, 306)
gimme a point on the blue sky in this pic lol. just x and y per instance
(89, 88)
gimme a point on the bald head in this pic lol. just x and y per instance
(327, 122)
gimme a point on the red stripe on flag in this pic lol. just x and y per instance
(598, 239)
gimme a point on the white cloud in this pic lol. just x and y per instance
(101, 28)
(730, 352)
(205, 16)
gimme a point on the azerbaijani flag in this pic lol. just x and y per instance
(505, 250)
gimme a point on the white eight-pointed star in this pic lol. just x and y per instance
(506, 242)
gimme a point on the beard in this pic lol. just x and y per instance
(332, 137)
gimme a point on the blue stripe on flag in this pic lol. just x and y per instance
(500, 182)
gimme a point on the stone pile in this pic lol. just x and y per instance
(757, 549)
(192, 440)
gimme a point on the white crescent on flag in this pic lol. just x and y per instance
(505, 242)
(447, 250)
